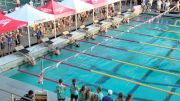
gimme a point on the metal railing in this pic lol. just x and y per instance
(13, 96)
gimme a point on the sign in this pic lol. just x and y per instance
(4, 22)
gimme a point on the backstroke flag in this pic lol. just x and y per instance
(41, 77)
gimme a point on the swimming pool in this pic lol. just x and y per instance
(144, 62)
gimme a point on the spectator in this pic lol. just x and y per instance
(120, 97)
(108, 97)
(28, 97)
(82, 93)
(135, 2)
(99, 94)
(143, 6)
(9, 41)
(151, 2)
(129, 97)
(163, 4)
(31, 3)
(167, 5)
(159, 3)
(150, 5)
(177, 6)
(74, 90)
(3, 45)
(88, 95)
(18, 3)
(38, 35)
(60, 89)
(17, 37)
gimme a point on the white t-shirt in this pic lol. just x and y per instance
(31, 3)
(178, 4)
(151, 1)
(167, 4)
(159, 2)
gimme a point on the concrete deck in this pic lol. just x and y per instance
(19, 88)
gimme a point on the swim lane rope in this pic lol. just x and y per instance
(115, 77)
(144, 43)
(127, 63)
(133, 51)
(152, 19)
(155, 22)
(162, 30)
(147, 35)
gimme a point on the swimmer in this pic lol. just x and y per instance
(57, 51)
(93, 37)
(32, 61)
(127, 20)
(76, 43)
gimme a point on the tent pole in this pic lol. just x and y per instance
(93, 16)
(29, 37)
(76, 21)
(120, 6)
(107, 11)
(42, 63)
(55, 33)
(131, 4)
(6, 4)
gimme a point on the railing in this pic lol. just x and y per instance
(12, 96)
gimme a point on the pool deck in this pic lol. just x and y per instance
(19, 88)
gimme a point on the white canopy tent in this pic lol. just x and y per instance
(78, 5)
(30, 15)
(112, 1)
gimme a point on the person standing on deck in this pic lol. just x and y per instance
(143, 5)
(129, 97)
(177, 6)
(82, 93)
(150, 3)
(42, 2)
(38, 35)
(3, 44)
(60, 89)
(120, 97)
(135, 2)
(74, 90)
(167, 6)
(18, 3)
(9, 41)
(17, 38)
(31, 3)
(108, 97)
(159, 3)
(163, 4)
(99, 94)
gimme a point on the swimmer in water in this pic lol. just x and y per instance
(32, 61)
(57, 51)
(76, 44)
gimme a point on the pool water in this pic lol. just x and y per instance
(118, 69)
